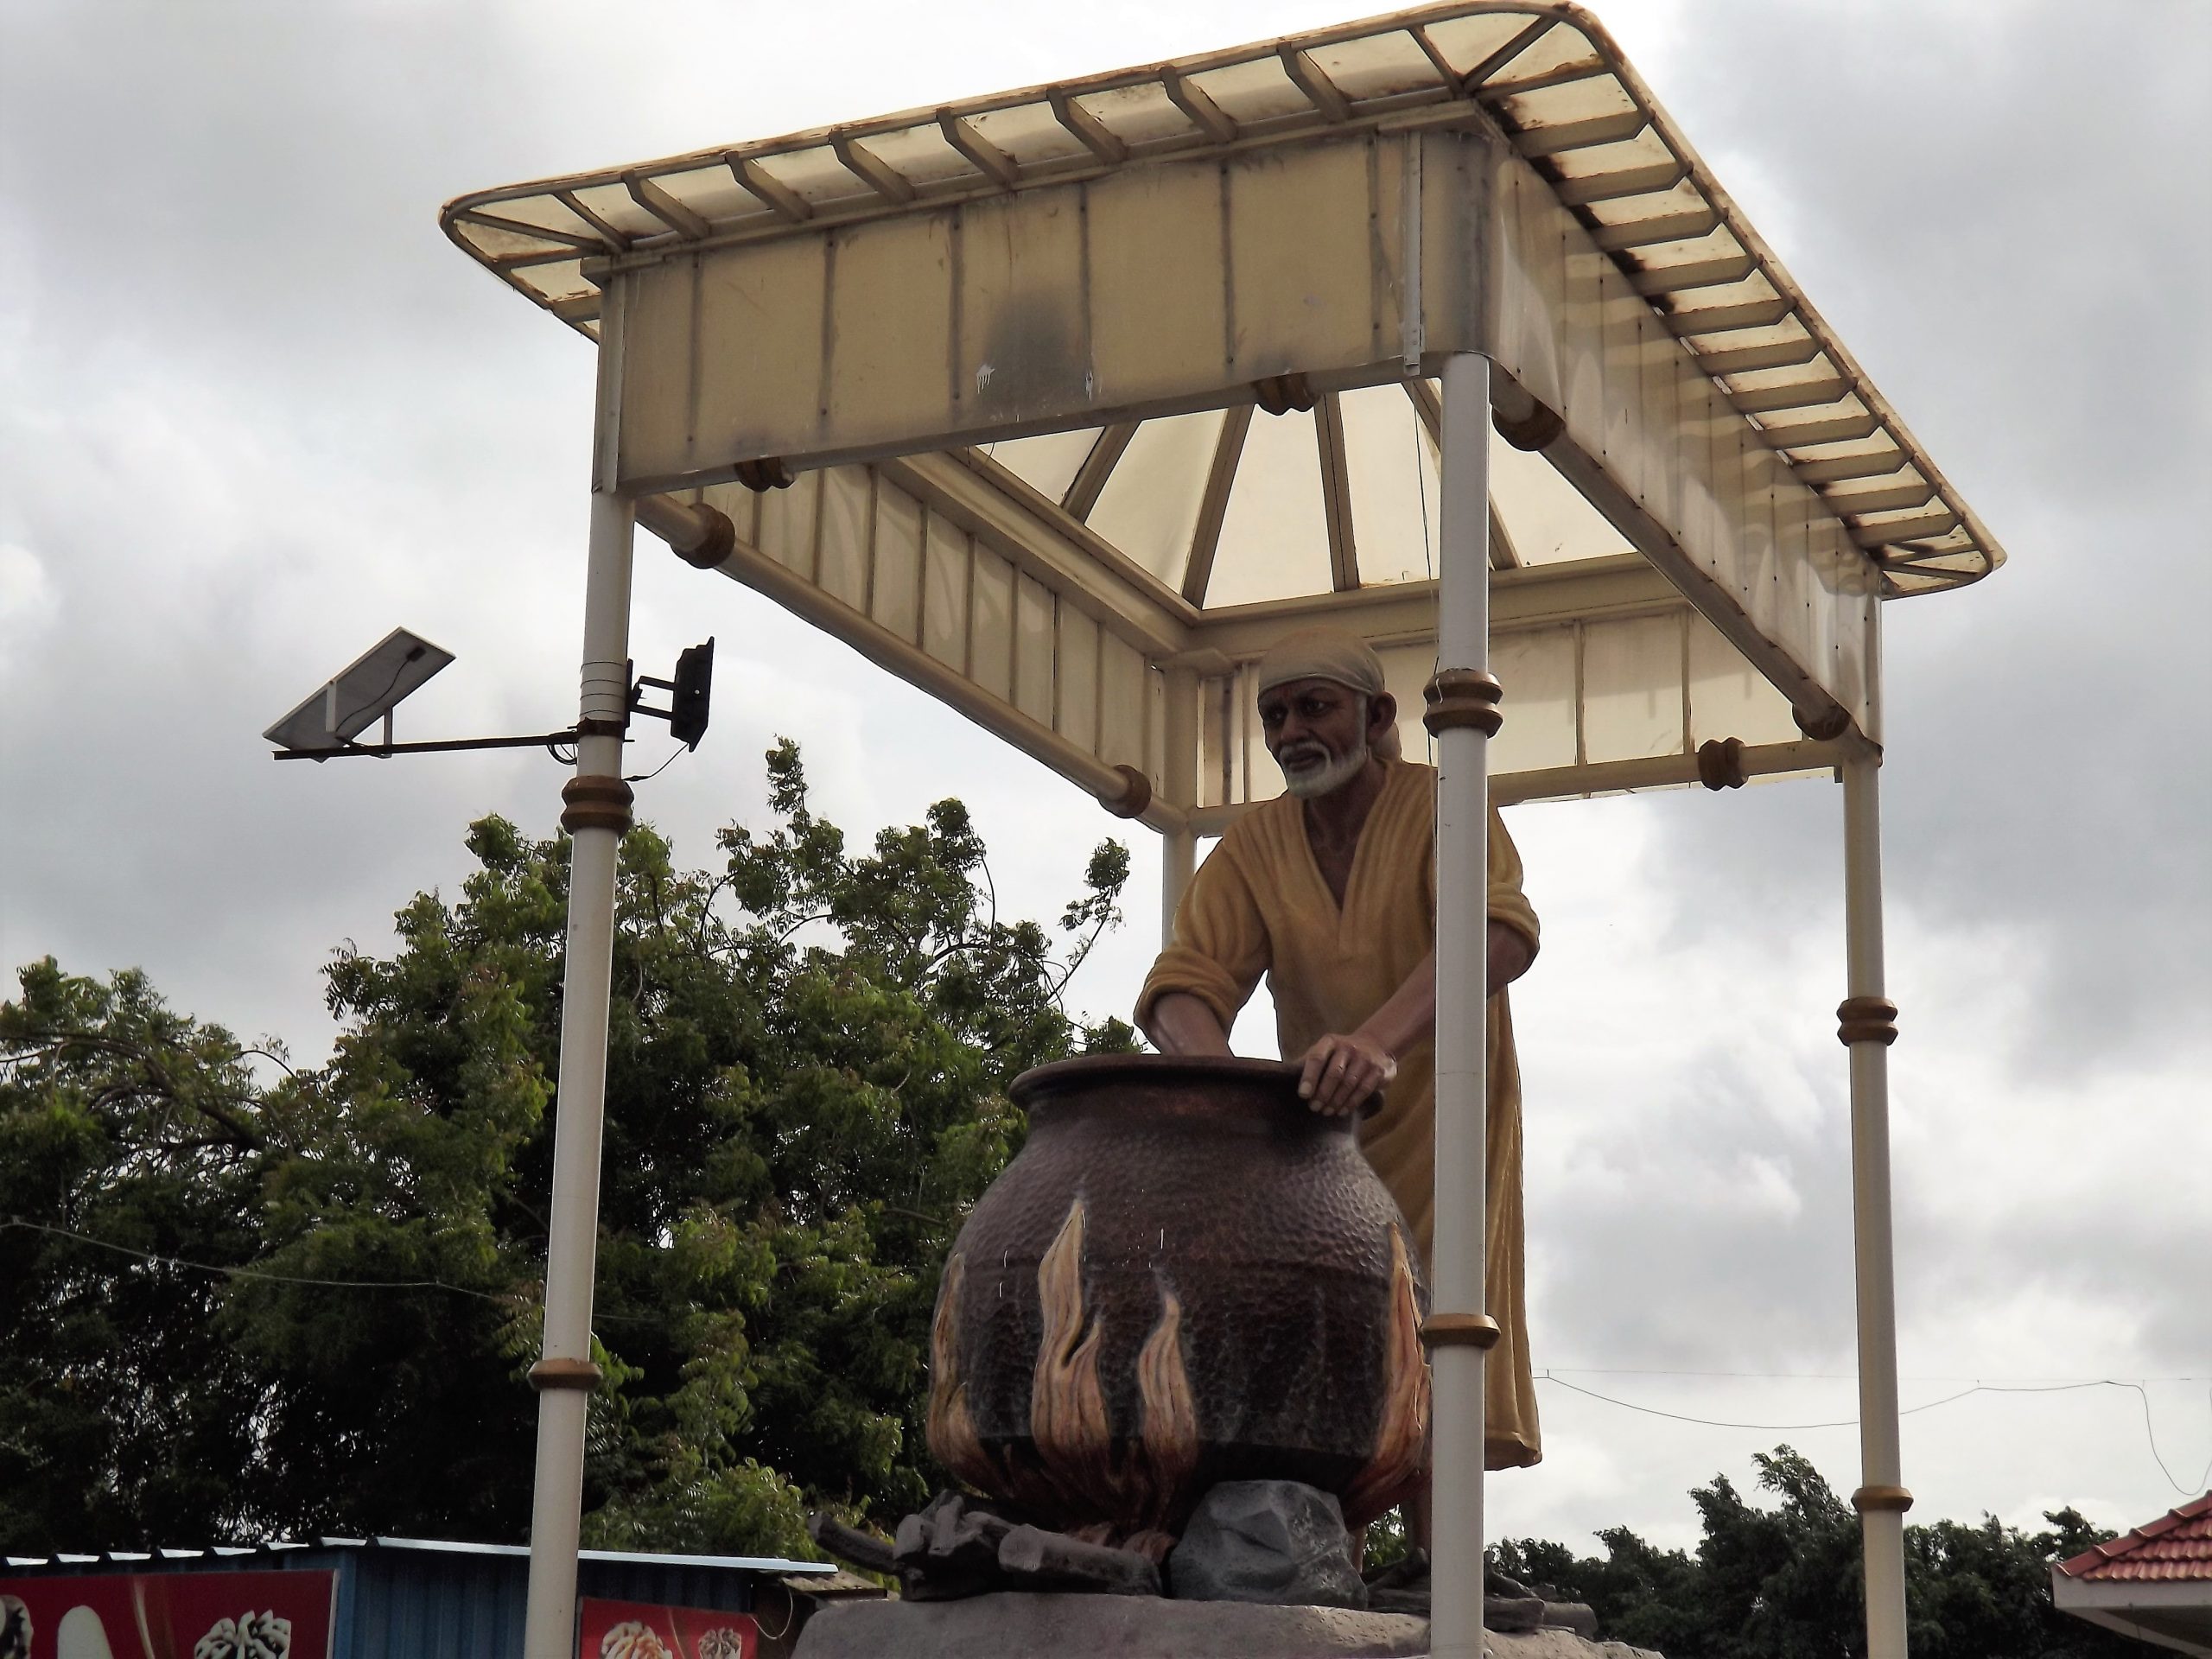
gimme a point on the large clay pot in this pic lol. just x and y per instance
(1186, 1276)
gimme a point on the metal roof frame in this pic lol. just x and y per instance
(1556, 84)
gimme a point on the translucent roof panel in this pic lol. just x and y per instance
(1275, 537)
(1148, 507)
(1391, 468)
(1546, 519)
(1048, 465)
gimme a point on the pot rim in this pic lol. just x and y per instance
(1042, 1083)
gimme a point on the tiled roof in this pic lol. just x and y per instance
(2178, 1546)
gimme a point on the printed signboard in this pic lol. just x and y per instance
(168, 1615)
(629, 1630)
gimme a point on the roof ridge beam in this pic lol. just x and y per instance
(1198, 106)
(1920, 527)
(593, 244)
(779, 198)
(613, 235)
(1769, 354)
(1650, 233)
(1336, 492)
(1611, 128)
(987, 158)
(1428, 405)
(1504, 54)
(1650, 280)
(1503, 556)
(1798, 394)
(1451, 77)
(1834, 469)
(886, 181)
(1888, 498)
(649, 195)
(1726, 319)
(1312, 80)
(1839, 428)
(1213, 506)
(1646, 181)
(1092, 133)
(1090, 482)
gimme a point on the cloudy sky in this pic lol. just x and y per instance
(257, 411)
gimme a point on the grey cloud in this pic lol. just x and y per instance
(1989, 205)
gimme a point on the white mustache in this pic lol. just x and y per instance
(1301, 757)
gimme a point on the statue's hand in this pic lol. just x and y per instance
(1342, 1070)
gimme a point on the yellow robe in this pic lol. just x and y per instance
(1259, 905)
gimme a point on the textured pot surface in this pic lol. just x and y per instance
(1186, 1276)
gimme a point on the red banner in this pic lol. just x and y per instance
(630, 1629)
(168, 1615)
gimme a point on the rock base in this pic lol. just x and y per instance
(1025, 1626)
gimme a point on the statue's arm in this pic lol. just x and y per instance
(1343, 1069)
(1511, 952)
(1179, 1023)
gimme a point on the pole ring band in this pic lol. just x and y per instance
(721, 540)
(1532, 431)
(1866, 1020)
(1459, 1331)
(764, 474)
(595, 803)
(1867, 1498)
(1460, 697)
(578, 1374)
(1135, 796)
(1830, 723)
(1721, 763)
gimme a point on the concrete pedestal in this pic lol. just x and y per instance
(1025, 1626)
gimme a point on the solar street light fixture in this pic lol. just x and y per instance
(324, 726)
(688, 695)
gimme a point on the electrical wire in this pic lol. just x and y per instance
(413, 655)
(647, 776)
(2142, 1395)
(1548, 1374)
(266, 1276)
(1837, 1377)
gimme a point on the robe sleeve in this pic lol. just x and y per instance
(1219, 948)
(1508, 904)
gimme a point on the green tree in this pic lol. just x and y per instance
(1783, 1580)
(125, 1413)
(807, 1080)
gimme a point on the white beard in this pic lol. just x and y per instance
(1311, 781)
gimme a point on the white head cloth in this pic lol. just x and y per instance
(1328, 654)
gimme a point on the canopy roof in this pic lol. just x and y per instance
(986, 337)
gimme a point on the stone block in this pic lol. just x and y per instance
(1266, 1540)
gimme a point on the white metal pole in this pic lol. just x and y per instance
(1867, 1023)
(1179, 776)
(597, 811)
(1462, 713)
(1178, 860)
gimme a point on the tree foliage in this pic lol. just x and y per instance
(1783, 1580)
(809, 1054)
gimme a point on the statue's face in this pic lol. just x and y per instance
(1318, 731)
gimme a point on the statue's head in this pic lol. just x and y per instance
(1323, 710)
